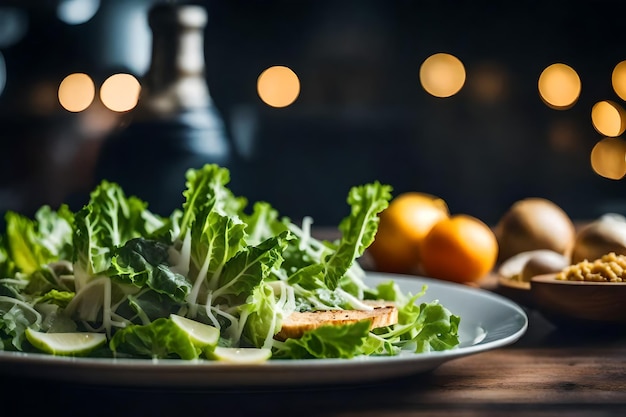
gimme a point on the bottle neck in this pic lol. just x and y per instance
(175, 81)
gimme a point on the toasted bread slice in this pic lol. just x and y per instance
(383, 314)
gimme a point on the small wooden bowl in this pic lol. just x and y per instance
(584, 302)
(518, 291)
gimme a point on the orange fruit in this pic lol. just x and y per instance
(402, 227)
(460, 248)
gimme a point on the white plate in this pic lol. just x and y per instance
(488, 321)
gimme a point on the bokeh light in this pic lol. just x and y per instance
(278, 86)
(608, 158)
(76, 12)
(120, 92)
(13, 25)
(76, 92)
(559, 86)
(442, 75)
(608, 118)
(618, 80)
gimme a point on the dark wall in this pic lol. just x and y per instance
(361, 114)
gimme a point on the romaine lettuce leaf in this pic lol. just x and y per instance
(54, 230)
(8, 268)
(143, 262)
(358, 229)
(345, 341)
(24, 244)
(261, 316)
(422, 327)
(15, 317)
(250, 266)
(59, 298)
(147, 306)
(214, 242)
(263, 223)
(160, 339)
(48, 277)
(206, 191)
(438, 328)
(108, 221)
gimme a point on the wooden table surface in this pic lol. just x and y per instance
(548, 371)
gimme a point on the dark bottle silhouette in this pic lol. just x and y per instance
(175, 125)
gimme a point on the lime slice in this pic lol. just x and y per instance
(66, 344)
(241, 355)
(201, 335)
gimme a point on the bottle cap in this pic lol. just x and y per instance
(177, 16)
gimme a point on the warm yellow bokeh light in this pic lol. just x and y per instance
(618, 80)
(559, 86)
(608, 118)
(120, 92)
(442, 75)
(76, 92)
(608, 158)
(278, 86)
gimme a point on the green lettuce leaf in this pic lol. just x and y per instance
(250, 266)
(358, 229)
(56, 297)
(8, 268)
(31, 243)
(214, 242)
(160, 339)
(206, 191)
(345, 341)
(438, 328)
(422, 327)
(25, 248)
(15, 317)
(144, 262)
(147, 306)
(55, 230)
(211, 226)
(262, 316)
(262, 223)
(48, 277)
(107, 222)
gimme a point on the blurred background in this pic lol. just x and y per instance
(480, 103)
